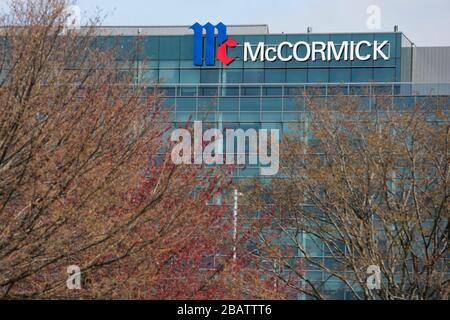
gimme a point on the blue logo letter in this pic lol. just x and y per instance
(210, 48)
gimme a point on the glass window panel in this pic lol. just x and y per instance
(151, 48)
(207, 116)
(272, 91)
(237, 64)
(184, 116)
(250, 104)
(339, 75)
(229, 104)
(169, 64)
(318, 62)
(169, 48)
(318, 75)
(168, 103)
(169, 75)
(253, 76)
(251, 91)
(272, 126)
(207, 104)
(154, 64)
(232, 76)
(292, 116)
(384, 75)
(272, 104)
(210, 76)
(187, 48)
(191, 76)
(150, 76)
(253, 64)
(314, 275)
(294, 90)
(294, 104)
(186, 104)
(313, 246)
(250, 116)
(230, 116)
(296, 76)
(127, 48)
(275, 76)
(187, 64)
(229, 91)
(209, 91)
(168, 91)
(362, 74)
(385, 63)
(188, 91)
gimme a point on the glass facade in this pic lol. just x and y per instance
(264, 95)
(169, 60)
(269, 95)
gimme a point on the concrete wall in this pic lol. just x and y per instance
(431, 65)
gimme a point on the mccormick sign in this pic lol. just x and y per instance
(300, 51)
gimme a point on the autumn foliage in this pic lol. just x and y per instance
(85, 180)
(360, 187)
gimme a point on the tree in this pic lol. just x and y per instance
(360, 187)
(84, 178)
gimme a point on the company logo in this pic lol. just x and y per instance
(209, 52)
(302, 51)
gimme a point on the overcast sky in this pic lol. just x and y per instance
(425, 22)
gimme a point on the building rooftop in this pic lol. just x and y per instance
(236, 30)
(176, 30)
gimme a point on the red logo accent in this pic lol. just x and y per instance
(222, 54)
